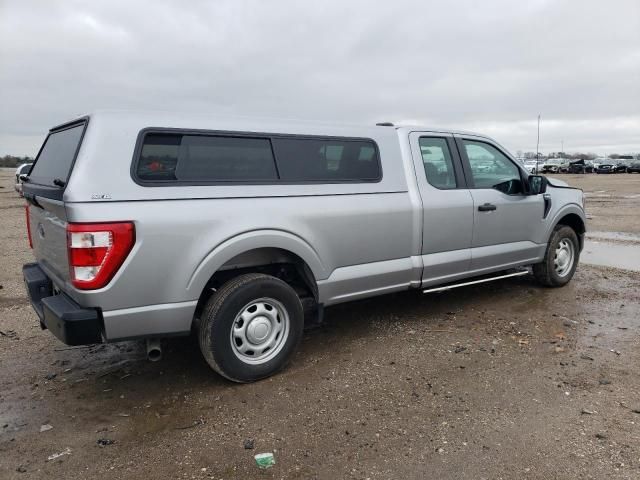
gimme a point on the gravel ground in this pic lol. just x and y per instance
(613, 200)
(499, 381)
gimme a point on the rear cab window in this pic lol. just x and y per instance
(176, 158)
(438, 163)
(54, 162)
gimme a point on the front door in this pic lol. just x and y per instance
(447, 207)
(506, 218)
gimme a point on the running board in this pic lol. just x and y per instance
(474, 282)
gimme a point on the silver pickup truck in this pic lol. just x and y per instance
(149, 225)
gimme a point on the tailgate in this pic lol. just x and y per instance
(48, 225)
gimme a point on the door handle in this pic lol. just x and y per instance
(487, 207)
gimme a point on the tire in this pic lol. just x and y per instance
(562, 243)
(251, 327)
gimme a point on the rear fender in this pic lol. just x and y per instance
(247, 241)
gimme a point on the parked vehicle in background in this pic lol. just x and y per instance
(620, 167)
(531, 166)
(580, 166)
(634, 167)
(555, 165)
(21, 170)
(146, 225)
(605, 168)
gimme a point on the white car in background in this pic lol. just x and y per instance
(530, 166)
(23, 169)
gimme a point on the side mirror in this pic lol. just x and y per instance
(537, 184)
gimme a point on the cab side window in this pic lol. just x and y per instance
(490, 168)
(437, 162)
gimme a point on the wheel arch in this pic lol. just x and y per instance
(265, 250)
(573, 217)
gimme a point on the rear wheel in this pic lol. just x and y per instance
(251, 327)
(560, 259)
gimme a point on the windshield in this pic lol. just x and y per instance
(56, 157)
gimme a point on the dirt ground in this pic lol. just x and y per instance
(613, 201)
(499, 381)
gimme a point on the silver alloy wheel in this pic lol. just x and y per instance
(260, 331)
(564, 257)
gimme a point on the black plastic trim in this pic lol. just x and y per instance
(38, 286)
(68, 321)
(547, 204)
(242, 134)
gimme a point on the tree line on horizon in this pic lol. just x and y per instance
(10, 161)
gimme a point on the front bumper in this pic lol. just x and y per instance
(68, 321)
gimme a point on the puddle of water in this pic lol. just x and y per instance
(621, 236)
(610, 254)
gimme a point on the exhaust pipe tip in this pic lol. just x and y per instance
(154, 350)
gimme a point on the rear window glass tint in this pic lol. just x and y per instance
(56, 157)
(175, 157)
(225, 159)
(196, 158)
(303, 159)
(159, 157)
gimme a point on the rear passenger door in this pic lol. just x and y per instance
(447, 207)
(506, 218)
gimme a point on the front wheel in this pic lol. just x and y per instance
(560, 258)
(251, 327)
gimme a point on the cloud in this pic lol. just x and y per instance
(488, 66)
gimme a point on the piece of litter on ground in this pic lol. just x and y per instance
(66, 451)
(265, 460)
(103, 442)
(46, 427)
(198, 422)
(122, 415)
(615, 351)
(248, 444)
(586, 357)
(587, 412)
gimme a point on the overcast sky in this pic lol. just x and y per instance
(489, 66)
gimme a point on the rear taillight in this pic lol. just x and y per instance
(97, 251)
(26, 210)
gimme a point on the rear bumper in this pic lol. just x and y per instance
(68, 321)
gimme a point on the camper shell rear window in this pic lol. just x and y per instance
(208, 158)
(53, 165)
